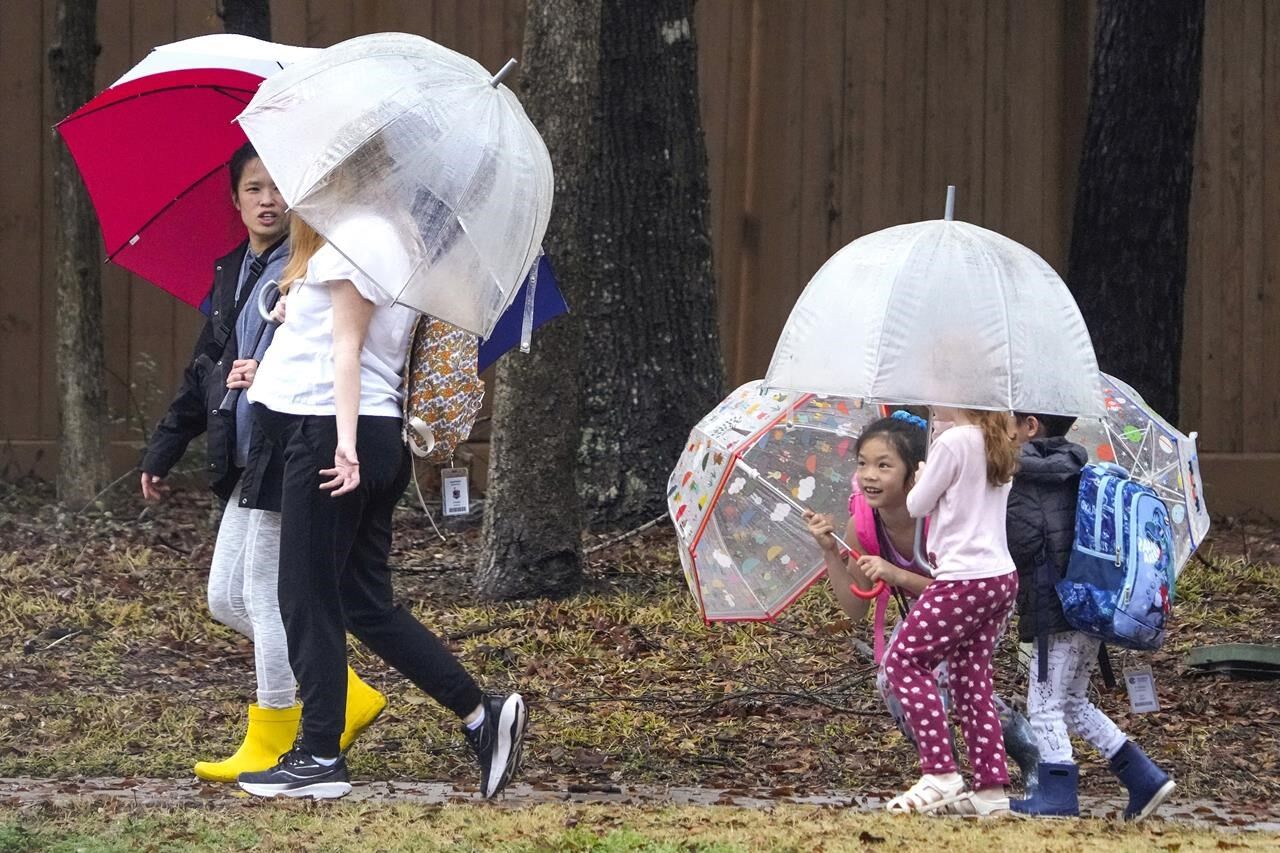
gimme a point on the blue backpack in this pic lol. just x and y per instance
(1119, 581)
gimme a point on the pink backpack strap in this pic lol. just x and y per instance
(864, 525)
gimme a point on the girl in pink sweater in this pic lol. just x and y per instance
(959, 617)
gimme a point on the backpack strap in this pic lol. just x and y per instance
(864, 526)
(1104, 667)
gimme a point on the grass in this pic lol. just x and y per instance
(577, 829)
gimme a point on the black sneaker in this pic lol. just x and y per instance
(299, 775)
(497, 741)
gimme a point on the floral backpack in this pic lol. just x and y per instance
(443, 390)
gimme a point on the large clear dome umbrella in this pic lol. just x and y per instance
(940, 312)
(398, 129)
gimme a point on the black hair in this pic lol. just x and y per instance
(1055, 426)
(239, 160)
(906, 438)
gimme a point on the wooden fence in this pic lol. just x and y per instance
(824, 120)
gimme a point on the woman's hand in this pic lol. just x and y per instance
(277, 312)
(821, 529)
(242, 372)
(345, 473)
(879, 569)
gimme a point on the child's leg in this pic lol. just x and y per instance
(926, 635)
(1082, 716)
(987, 603)
(1047, 700)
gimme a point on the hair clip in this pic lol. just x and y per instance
(914, 420)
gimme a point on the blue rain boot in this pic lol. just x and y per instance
(1055, 796)
(1148, 785)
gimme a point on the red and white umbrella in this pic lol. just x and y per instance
(153, 150)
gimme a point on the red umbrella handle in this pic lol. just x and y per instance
(867, 594)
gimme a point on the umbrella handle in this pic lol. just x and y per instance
(867, 594)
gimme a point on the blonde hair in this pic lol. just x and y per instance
(304, 241)
(1002, 451)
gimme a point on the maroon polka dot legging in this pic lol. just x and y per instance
(959, 622)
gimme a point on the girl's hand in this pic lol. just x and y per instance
(345, 472)
(878, 569)
(820, 528)
(919, 471)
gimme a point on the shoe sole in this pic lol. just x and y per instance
(511, 724)
(1156, 801)
(319, 791)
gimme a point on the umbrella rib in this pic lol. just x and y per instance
(1004, 311)
(161, 211)
(221, 90)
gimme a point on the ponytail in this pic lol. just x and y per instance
(1002, 452)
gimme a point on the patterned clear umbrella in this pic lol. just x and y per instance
(738, 491)
(1154, 452)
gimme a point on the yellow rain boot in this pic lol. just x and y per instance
(271, 733)
(364, 704)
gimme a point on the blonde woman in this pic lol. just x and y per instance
(329, 394)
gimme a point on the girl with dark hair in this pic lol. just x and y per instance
(883, 531)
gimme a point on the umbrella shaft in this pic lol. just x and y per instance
(786, 498)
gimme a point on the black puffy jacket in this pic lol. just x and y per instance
(193, 410)
(1041, 526)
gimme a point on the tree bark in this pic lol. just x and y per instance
(1128, 259)
(651, 362)
(82, 461)
(533, 521)
(247, 17)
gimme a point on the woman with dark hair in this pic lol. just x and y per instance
(329, 395)
(242, 576)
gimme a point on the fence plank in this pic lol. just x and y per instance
(1253, 337)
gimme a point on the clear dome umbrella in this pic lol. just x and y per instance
(397, 129)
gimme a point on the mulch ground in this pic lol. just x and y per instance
(627, 685)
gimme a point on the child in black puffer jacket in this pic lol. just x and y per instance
(1041, 522)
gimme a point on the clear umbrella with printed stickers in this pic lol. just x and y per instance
(739, 489)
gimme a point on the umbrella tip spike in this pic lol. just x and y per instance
(950, 212)
(502, 73)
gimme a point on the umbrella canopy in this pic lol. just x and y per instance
(940, 312)
(548, 304)
(746, 553)
(419, 134)
(1155, 453)
(219, 50)
(153, 149)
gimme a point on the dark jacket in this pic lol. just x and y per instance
(194, 408)
(1041, 526)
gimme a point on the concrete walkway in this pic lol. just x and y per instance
(19, 792)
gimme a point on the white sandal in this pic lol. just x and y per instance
(969, 804)
(928, 794)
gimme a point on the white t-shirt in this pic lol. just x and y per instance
(967, 515)
(296, 374)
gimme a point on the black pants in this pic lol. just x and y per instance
(334, 576)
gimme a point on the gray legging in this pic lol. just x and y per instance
(243, 595)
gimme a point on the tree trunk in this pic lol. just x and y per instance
(82, 461)
(533, 520)
(651, 362)
(247, 17)
(1128, 261)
